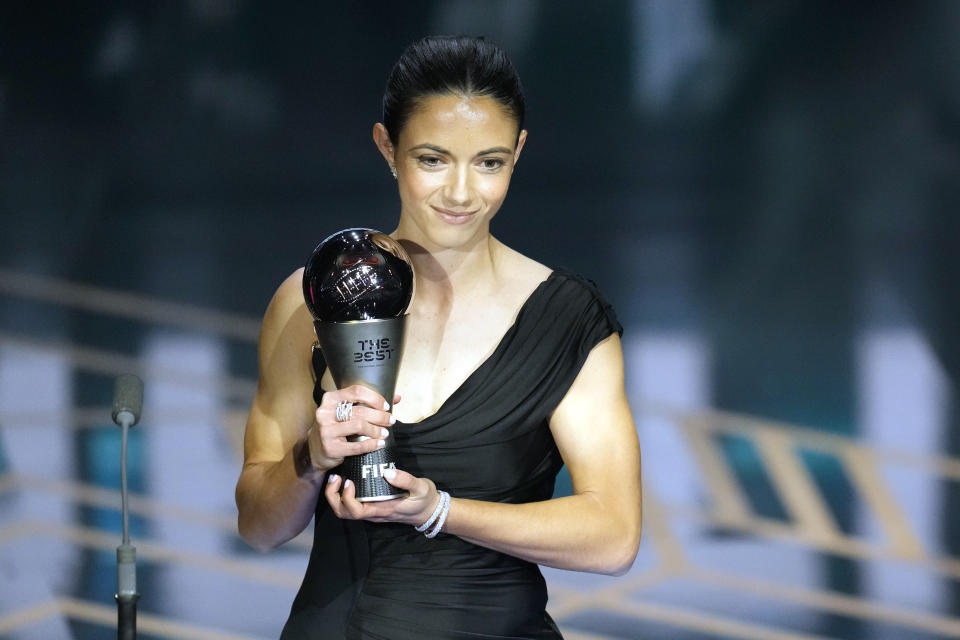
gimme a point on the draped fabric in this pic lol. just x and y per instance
(489, 441)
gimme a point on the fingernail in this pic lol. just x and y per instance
(386, 406)
(393, 420)
(381, 444)
(347, 483)
(332, 478)
(384, 432)
(389, 474)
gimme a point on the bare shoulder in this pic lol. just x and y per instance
(287, 330)
(519, 273)
(288, 298)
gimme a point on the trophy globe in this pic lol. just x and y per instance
(358, 274)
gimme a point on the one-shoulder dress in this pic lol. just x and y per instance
(489, 441)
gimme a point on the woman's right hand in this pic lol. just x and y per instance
(327, 438)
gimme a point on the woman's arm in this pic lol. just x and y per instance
(596, 529)
(289, 442)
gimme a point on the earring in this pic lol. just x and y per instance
(393, 171)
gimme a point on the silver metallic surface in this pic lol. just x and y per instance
(366, 352)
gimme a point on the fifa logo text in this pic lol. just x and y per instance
(376, 470)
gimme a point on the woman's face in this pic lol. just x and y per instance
(454, 159)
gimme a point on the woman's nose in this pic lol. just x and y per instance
(458, 190)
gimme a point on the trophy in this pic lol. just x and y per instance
(357, 285)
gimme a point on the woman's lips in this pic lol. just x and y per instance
(454, 217)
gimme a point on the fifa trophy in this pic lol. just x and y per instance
(357, 285)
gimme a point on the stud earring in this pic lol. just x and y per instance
(393, 171)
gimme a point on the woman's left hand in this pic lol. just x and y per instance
(414, 509)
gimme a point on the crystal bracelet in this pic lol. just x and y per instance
(436, 512)
(443, 517)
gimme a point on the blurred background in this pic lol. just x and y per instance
(768, 192)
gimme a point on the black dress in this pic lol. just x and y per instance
(489, 441)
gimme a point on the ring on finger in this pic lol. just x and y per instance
(344, 411)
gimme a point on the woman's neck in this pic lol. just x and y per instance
(445, 270)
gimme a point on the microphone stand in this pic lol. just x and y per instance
(127, 403)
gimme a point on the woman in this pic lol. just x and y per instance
(509, 371)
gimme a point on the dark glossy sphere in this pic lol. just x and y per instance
(358, 274)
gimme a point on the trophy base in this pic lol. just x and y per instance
(366, 473)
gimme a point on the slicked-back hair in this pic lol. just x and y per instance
(450, 65)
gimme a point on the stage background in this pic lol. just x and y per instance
(768, 192)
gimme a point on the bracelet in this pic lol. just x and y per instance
(436, 512)
(443, 517)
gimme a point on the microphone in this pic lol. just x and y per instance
(127, 399)
(127, 404)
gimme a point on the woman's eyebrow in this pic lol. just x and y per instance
(431, 147)
(441, 150)
(495, 150)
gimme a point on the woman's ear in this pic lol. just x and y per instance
(521, 139)
(381, 138)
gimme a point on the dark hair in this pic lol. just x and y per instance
(438, 65)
